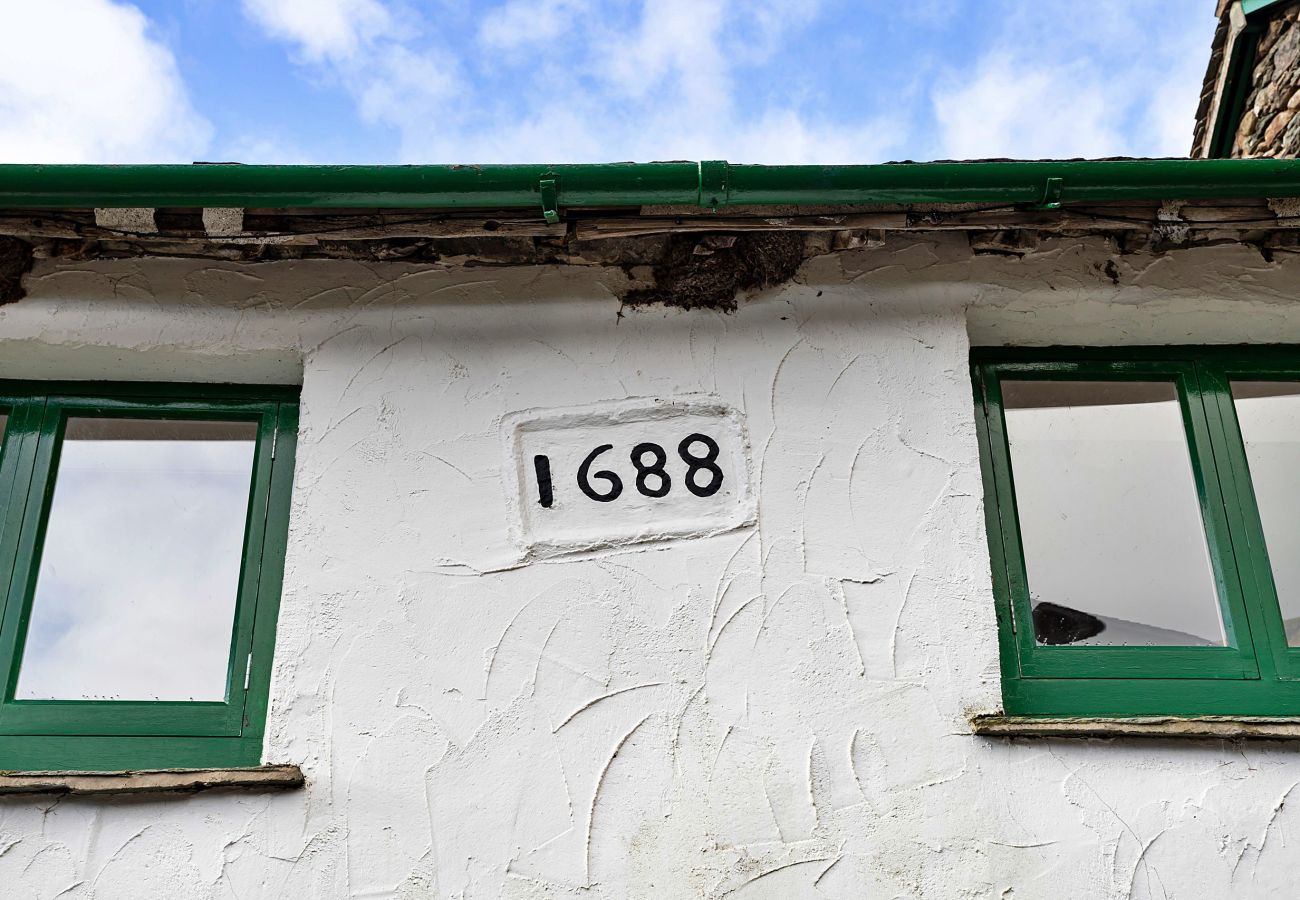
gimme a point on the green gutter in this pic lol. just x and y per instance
(711, 184)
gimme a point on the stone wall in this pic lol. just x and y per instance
(1270, 126)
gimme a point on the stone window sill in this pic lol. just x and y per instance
(1212, 727)
(154, 781)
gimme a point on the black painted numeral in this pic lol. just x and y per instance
(545, 493)
(584, 479)
(707, 463)
(652, 478)
(656, 469)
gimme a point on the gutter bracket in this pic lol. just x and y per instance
(715, 185)
(1052, 191)
(550, 191)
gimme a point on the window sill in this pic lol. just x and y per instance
(1211, 727)
(152, 781)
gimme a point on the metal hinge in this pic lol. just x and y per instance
(275, 439)
(248, 670)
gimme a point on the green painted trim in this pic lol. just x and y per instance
(110, 735)
(1236, 88)
(1237, 660)
(1097, 681)
(710, 184)
(993, 525)
(1250, 7)
(113, 754)
(272, 574)
(187, 392)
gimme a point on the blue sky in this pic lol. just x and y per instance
(775, 81)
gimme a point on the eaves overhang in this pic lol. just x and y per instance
(704, 231)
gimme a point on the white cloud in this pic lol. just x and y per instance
(1011, 109)
(398, 84)
(1111, 84)
(659, 80)
(585, 81)
(83, 81)
(522, 23)
(268, 149)
(675, 48)
(365, 48)
(1172, 90)
(784, 137)
(323, 29)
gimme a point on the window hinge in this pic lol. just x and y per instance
(275, 439)
(248, 670)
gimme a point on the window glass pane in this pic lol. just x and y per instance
(135, 595)
(1269, 414)
(1114, 546)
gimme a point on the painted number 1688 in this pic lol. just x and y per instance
(703, 476)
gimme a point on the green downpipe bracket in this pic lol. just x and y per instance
(713, 184)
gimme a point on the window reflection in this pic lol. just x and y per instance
(1115, 550)
(135, 593)
(1269, 415)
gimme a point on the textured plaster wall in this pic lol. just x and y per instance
(773, 712)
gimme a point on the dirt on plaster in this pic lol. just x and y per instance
(15, 262)
(708, 273)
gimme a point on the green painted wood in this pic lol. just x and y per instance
(709, 184)
(1252, 549)
(1250, 7)
(17, 460)
(106, 735)
(272, 573)
(1236, 88)
(114, 754)
(1097, 681)
(998, 567)
(1036, 660)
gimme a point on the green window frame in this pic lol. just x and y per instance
(1257, 673)
(108, 735)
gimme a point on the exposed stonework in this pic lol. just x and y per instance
(15, 262)
(680, 257)
(1269, 125)
(708, 273)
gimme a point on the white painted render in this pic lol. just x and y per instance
(775, 711)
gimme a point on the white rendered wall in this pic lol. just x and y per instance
(775, 711)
